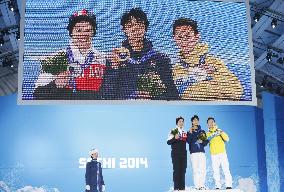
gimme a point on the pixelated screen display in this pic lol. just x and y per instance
(136, 50)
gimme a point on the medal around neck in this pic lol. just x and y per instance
(123, 54)
(75, 69)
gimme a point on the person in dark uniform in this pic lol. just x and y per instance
(94, 176)
(137, 70)
(177, 139)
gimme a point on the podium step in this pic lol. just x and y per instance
(209, 190)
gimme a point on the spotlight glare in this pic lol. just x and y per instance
(11, 5)
(274, 23)
(269, 56)
(18, 37)
(1, 41)
(256, 17)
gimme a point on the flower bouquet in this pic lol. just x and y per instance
(152, 84)
(202, 136)
(55, 64)
(174, 131)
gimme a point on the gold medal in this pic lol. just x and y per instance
(123, 54)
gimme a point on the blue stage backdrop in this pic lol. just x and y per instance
(273, 113)
(222, 25)
(47, 146)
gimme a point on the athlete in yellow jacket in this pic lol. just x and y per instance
(217, 141)
(197, 74)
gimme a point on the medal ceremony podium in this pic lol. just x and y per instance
(210, 190)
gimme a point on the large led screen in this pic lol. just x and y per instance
(183, 51)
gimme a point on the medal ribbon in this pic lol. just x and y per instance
(70, 58)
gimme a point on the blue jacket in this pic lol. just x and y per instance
(192, 140)
(122, 83)
(94, 176)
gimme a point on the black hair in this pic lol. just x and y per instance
(210, 118)
(185, 22)
(138, 14)
(73, 19)
(194, 117)
(179, 118)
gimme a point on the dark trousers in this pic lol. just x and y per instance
(179, 161)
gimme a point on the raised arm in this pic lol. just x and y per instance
(225, 136)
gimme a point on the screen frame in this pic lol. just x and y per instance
(253, 102)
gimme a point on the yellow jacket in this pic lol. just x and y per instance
(217, 143)
(222, 85)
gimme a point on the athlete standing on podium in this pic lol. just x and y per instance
(218, 139)
(177, 139)
(197, 141)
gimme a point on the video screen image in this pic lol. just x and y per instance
(136, 50)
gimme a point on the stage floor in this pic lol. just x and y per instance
(208, 190)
